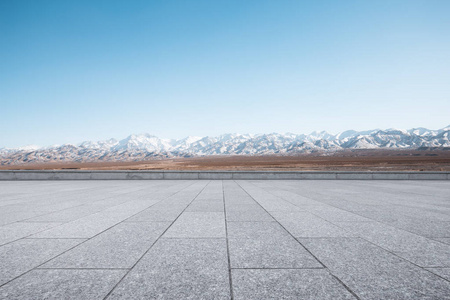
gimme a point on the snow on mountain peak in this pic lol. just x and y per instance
(29, 148)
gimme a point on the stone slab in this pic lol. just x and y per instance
(109, 175)
(85, 227)
(180, 175)
(420, 250)
(316, 176)
(442, 272)
(427, 228)
(256, 230)
(23, 255)
(355, 176)
(338, 215)
(443, 240)
(34, 175)
(215, 175)
(304, 224)
(211, 206)
(248, 216)
(250, 205)
(155, 215)
(287, 284)
(253, 176)
(145, 175)
(198, 225)
(428, 176)
(118, 247)
(62, 284)
(72, 175)
(179, 269)
(390, 176)
(273, 252)
(18, 230)
(373, 273)
(11, 217)
(66, 215)
(7, 175)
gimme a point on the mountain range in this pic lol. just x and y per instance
(147, 147)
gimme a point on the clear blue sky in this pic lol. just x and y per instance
(88, 70)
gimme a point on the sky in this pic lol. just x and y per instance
(81, 70)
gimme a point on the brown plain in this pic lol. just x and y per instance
(354, 160)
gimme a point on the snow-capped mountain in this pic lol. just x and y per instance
(146, 146)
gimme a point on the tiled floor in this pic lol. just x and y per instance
(225, 240)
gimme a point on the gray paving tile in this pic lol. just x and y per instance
(277, 204)
(155, 215)
(248, 216)
(421, 212)
(270, 252)
(241, 203)
(211, 206)
(420, 250)
(301, 202)
(305, 224)
(256, 230)
(211, 197)
(384, 216)
(250, 206)
(374, 273)
(171, 205)
(287, 284)
(179, 269)
(131, 207)
(443, 272)
(11, 217)
(56, 205)
(426, 228)
(62, 284)
(338, 215)
(198, 225)
(18, 230)
(268, 201)
(66, 215)
(345, 251)
(118, 247)
(352, 205)
(423, 227)
(443, 240)
(85, 227)
(23, 255)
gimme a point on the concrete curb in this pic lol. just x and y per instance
(219, 175)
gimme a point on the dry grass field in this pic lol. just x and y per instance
(359, 160)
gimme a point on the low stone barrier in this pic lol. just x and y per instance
(219, 175)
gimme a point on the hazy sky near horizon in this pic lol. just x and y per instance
(88, 70)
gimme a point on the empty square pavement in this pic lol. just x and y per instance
(225, 239)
